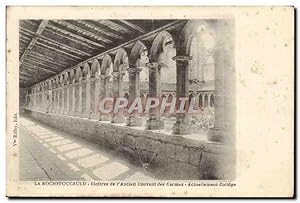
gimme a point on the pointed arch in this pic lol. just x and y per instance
(95, 68)
(136, 51)
(78, 74)
(158, 44)
(106, 65)
(86, 71)
(120, 58)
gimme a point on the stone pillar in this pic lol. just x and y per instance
(87, 98)
(216, 133)
(224, 84)
(154, 122)
(49, 103)
(118, 93)
(73, 100)
(95, 111)
(62, 99)
(78, 97)
(104, 92)
(182, 126)
(67, 90)
(134, 92)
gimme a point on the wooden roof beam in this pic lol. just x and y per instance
(133, 26)
(50, 62)
(59, 44)
(40, 68)
(105, 32)
(39, 31)
(75, 36)
(81, 30)
(57, 50)
(43, 64)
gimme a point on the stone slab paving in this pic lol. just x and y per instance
(50, 154)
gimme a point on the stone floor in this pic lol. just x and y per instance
(49, 154)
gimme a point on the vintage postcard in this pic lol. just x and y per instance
(150, 101)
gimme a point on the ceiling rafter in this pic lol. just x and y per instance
(75, 36)
(82, 31)
(61, 45)
(57, 33)
(107, 32)
(43, 64)
(58, 50)
(30, 66)
(46, 60)
(39, 31)
(51, 52)
(113, 24)
(133, 26)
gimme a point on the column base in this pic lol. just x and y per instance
(85, 115)
(182, 128)
(134, 121)
(215, 135)
(94, 116)
(105, 117)
(77, 114)
(118, 119)
(154, 124)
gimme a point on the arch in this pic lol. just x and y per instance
(57, 81)
(106, 65)
(158, 44)
(192, 29)
(78, 74)
(66, 78)
(95, 68)
(72, 76)
(120, 58)
(86, 71)
(136, 51)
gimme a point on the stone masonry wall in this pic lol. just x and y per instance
(170, 157)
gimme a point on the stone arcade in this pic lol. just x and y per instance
(68, 66)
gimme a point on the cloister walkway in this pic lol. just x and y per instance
(50, 154)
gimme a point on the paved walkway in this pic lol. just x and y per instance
(49, 154)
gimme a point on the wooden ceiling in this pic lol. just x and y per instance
(47, 47)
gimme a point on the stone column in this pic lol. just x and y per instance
(134, 92)
(224, 84)
(104, 92)
(67, 88)
(118, 93)
(62, 99)
(154, 122)
(216, 133)
(49, 103)
(87, 112)
(95, 111)
(79, 106)
(182, 126)
(73, 100)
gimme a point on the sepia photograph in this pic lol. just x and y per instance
(137, 101)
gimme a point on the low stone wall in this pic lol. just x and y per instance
(165, 156)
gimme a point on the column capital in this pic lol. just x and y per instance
(154, 65)
(103, 77)
(134, 70)
(182, 58)
(115, 74)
